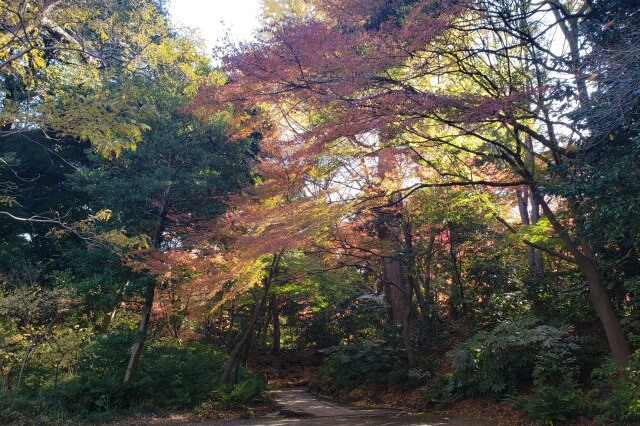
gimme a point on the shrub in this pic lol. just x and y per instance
(558, 401)
(614, 398)
(494, 362)
(238, 396)
(436, 394)
(360, 362)
(171, 376)
(14, 404)
(364, 317)
(556, 394)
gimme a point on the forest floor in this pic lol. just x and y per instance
(288, 374)
(289, 402)
(298, 406)
(297, 373)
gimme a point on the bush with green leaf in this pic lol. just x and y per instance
(364, 317)
(436, 393)
(361, 362)
(238, 396)
(551, 402)
(556, 395)
(616, 398)
(172, 376)
(494, 362)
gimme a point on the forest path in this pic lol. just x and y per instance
(298, 406)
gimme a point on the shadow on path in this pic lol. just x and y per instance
(299, 407)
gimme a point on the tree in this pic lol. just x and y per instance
(167, 188)
(59, 60)
(275, 10)
(358, 70)
(601, 178)
(243, 345)
(74, 71)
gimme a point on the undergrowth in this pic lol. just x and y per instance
(172, 376)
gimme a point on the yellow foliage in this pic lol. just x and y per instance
(109, 54)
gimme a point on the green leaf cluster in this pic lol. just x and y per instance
(494, 362)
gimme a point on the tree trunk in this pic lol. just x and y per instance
(522, 194)
(408, 293)
(422, 302)
(393, 289)
(411, 268)
(7, 377)
(109, 318)
(232, 319)
(597, 291)
(393, 282)
(30, 350)
(538, 265)
(427, 272)
(610, 322)
(582, 255)
(143, 328)
(106, 321)
(265, 327)
(406, 331)
(275, 316)
(457, 279)
(239, 349)
(534, 256)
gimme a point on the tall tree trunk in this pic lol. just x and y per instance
(275, 316)
(422, 301)
(598, 297)
(109, 317)
(427, 271)
(394, 289)
(408, 293)
(406, 330)
(393, 283)
(411, 272)
(143, 329)
(265, 327)
(529, 208)
(30, 350)
(582, 254)
(538, 265)
(239, 350)
(522, 194)
(397, 287)
(457, 278)
(232, 319)
(610, 321)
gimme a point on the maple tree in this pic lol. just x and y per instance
(153, 195)
(164, 190)
(459, 93)
(367, 186)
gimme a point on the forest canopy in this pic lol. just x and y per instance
(372, 182)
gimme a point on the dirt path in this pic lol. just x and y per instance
(299, 407)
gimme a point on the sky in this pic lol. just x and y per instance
(214, 17)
